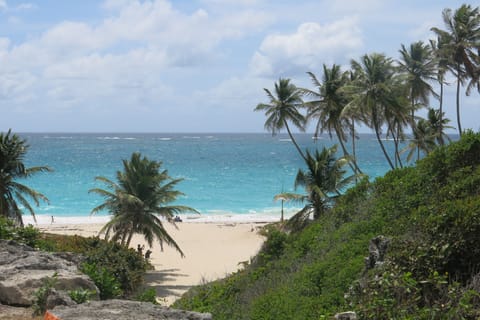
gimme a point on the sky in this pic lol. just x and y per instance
(188, 66)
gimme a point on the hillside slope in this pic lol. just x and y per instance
(431, 215)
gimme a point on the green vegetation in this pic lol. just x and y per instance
(430, 213)
(138, 201)
(323, 180)
(12, 168)
(40, 296)
(80, 295)
(116, 270)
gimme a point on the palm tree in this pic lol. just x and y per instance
(419, 66)
(328, 104)
(283, 108)
(12, 152)
(373, 92)
(442, 56)
(352, 111)
(323, 181)
(437, 123)
(462, 40)
(423, 140)
(138, 202)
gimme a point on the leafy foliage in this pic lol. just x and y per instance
(42, 293)
(141, 196)
(13, 194)
(148, 295)
(80, 295)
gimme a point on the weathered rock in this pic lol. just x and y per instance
(59, 298)
(377, 250)
(123, 310)
(22, 270)
(349, 315)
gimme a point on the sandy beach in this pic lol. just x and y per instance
(212, 250)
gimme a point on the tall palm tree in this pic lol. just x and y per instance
(323, 180)
(419, 66)
(283, 108)
(442, 59)
(462, 38)
(138, 202)
(12, 168)
(328, 104)
(352, 111)
(373, 92)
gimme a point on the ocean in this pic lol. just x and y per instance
(225, 176)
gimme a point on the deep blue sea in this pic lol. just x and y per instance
(224, 174)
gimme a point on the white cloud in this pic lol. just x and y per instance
(308, 48)
(3, 5)
(126, 58)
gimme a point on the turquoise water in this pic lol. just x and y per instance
(235, 174)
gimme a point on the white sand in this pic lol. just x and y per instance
(212, 250)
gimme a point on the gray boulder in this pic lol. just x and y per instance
(376, 252)
(23, 268)
(349, 315)
(123, 310)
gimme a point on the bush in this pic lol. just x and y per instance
(42, 293)
(80, 295)
(106, 283)
(148, 295)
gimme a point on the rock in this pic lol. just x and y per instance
(349, 315)
(14, 313)
(123, 310)
(59, 298)
(22, 270)
(377, 250)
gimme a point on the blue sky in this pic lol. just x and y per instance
(187, 66)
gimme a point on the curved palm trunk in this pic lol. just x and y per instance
(379, 139)
(353, 149)
(293, 140)
(130, 235)
(352, 163)
(440, 138)
(396, 141)
(458, 103)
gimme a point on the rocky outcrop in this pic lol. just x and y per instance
(23, 268)
(123, 310)
(349, 315)
(376, 252)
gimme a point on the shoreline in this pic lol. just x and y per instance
(213, 250)
(45, 220)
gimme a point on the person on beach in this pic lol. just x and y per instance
(140, 249)
(53, 220)
(147, 254)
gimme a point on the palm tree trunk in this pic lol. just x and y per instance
(294, 142)
(352, 163)
(397, 151)
(440, 138)
(379, 139)
(130, 235)
(353, 149)
(458, 103)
